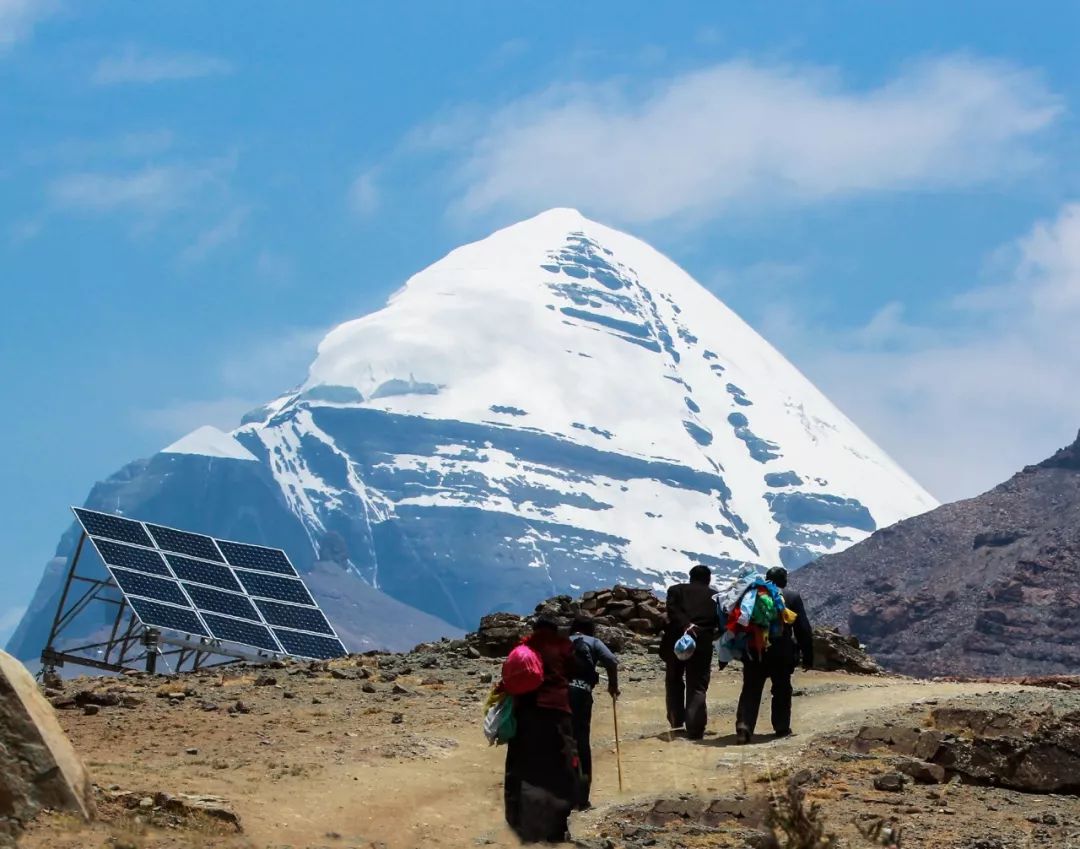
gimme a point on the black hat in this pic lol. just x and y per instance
(777, 575)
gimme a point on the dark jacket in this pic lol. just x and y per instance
(796, 645)
(690, 604)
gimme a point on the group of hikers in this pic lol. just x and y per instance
(542, 708)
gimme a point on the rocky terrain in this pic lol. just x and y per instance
(384, 751)
(983, 587)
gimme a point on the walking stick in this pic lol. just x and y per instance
(618, 750)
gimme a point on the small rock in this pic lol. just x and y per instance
(890, 782)
(315, 700)
(471, 652)
(91, 710)
(485, 677)
(146, 803)
(398, 690)
(191, 751)
(208, 706)
(368, 688)
(239, 707)
(265, 681)
(340, 675)
(288, 694)
(397, 719)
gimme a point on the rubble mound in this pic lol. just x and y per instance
(626, 616)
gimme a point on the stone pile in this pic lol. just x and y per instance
(623, 616)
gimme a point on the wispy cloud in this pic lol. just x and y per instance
(364, 195)
(743, 134)
(136, 66)
(228, 229)
(966, 398)
(18, 19)
(249, 376)
(148, 192)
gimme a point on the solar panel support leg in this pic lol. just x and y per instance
(150, 640)
(49, 665)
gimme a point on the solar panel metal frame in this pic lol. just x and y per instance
(224, 563)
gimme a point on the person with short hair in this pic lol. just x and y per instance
(588, 653)
(795, 644)
(690, 609)
(540, 785)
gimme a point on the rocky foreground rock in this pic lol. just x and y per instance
(38, 767)
(982, 587)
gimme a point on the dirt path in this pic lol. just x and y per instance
(455, 799)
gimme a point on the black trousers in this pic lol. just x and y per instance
(581, 705)
(755, 674)
(686, 683)
(541, 774)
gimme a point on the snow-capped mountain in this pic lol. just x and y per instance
(553, 408)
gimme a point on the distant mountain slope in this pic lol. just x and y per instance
(554, 408)
(986, 586)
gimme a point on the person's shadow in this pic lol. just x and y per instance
(730, 740)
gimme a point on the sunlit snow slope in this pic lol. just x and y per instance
(554, 408)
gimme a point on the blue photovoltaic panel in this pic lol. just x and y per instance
(130, 557)
(256, 557)
(293, 616)
(183, 542)
(273, 586)
(112, 527)
(159, 589)
(157, 615)
(202, 572)
(217, 601)
(180, 581)
(310, 645)
(238, 631)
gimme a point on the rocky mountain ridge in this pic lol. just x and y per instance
(985, 587)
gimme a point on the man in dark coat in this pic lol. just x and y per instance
(542, 768)
(589, 652)
(795, 644)
(690, 607)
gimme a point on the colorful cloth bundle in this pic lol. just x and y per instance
(754, 614)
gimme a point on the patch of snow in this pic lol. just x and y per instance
(208, 441)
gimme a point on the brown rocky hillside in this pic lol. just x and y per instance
(984, 587)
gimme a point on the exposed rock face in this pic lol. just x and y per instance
(38, 766)
(983, 587)
(1031, 751)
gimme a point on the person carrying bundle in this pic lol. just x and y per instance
(767, 627)
(542, 767)
(686, 648)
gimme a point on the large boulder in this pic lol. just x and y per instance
(38, 766)
(836, 652)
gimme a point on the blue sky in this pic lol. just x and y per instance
(191, 194)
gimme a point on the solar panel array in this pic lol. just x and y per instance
(206, 587)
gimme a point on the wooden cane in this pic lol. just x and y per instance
(618, 751)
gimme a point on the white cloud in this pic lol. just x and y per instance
(364, 195)
(137, 66)
(227, 230)
(744, 134)
(148, 190)
(18, 19)
(967, 399)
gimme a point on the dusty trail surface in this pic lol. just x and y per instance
(387, 751)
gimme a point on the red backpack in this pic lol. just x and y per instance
(522, 671)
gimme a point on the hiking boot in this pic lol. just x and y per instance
(787, 732)
(742, 736)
